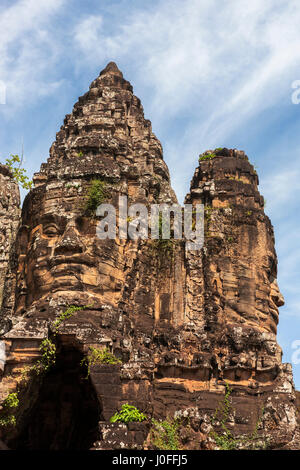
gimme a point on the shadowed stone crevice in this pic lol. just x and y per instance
(67, 411)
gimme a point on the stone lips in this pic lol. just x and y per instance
(183, 325)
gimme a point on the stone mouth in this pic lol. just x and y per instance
(67, 269)
(73, 261)
(275, 314)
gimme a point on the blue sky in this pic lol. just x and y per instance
(210, 73)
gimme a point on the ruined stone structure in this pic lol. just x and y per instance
(187, 326)
(9, 223)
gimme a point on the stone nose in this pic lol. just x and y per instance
(276, 295)
(70, 242)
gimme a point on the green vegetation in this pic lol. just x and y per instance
(164, 435)
(80, 154)
(236, 178)
(7, 416)
(15, 165)
(128, 414)
(224, 438)
(208, 210)
(73, 185)
(67, 314)
(164, 247)
(96, 195)
(99, 356)
(206, 156)
(48, 350)
(48, 358)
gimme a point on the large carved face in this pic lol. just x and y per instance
(247, 280)
(63, 253)
(262, 289)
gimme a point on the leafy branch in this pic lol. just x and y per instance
(19, 174)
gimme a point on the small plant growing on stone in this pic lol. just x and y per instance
(164, 434)
(67, 314)
(73, 185)
(224, 438)
(128, 414)
(7, 416)
(99, 356)
(96, 195)
(48, 353)
(19, 174)
(80, 154)
(164, 247)
(48, 350)
(206, 156)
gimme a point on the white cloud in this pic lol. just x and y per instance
(235, 54)
(218, 64)
(27, 50)
(282, 191)
(88, 33)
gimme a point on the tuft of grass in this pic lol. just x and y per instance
(164, 246)
(128, 414)
(164, 434)
(99, 356)
(7, 416)
(207, 156)
(97, 194)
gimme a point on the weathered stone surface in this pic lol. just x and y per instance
(185, 325)
(9, 221)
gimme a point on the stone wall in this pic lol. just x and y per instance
(9, 222)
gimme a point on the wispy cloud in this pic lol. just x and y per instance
(282, 191)
(235, 52)
(215, 65)
(27, 50)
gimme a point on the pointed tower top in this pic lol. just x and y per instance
(111, 68)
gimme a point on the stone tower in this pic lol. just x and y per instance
(9, 222)
(185, 326)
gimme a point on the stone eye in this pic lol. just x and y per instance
(51, 231)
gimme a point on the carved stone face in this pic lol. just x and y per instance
(250, 290)
(64, 254)
(274, 297)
